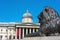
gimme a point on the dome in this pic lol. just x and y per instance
(27, 15)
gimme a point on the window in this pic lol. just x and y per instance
(10, 29)
(17, 37)
(13, 37)
(0, 36)
(6, 36)
(6, 30)
(1, 29)
(10, 37)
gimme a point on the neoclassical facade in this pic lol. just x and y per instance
(17, 30)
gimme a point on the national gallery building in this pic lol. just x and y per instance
(17, 30)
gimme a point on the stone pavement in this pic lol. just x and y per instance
(42, 38)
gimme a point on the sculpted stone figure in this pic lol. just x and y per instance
(49, 23)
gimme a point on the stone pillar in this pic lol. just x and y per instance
(19, 33)
(12, 34)
(36, 29)
(7, 34)
(23, 33)
(16, 34)
(30, 30)
(33, 30)
(26, 31)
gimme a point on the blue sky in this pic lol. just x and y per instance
(12, 10)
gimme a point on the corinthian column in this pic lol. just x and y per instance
(16, 34)
(26, 31)
(7, 33)
(23, 33)
(36, 30)
(33, 30)
(19, 33)
(30, 30)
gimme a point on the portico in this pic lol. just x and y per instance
(27, 29)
